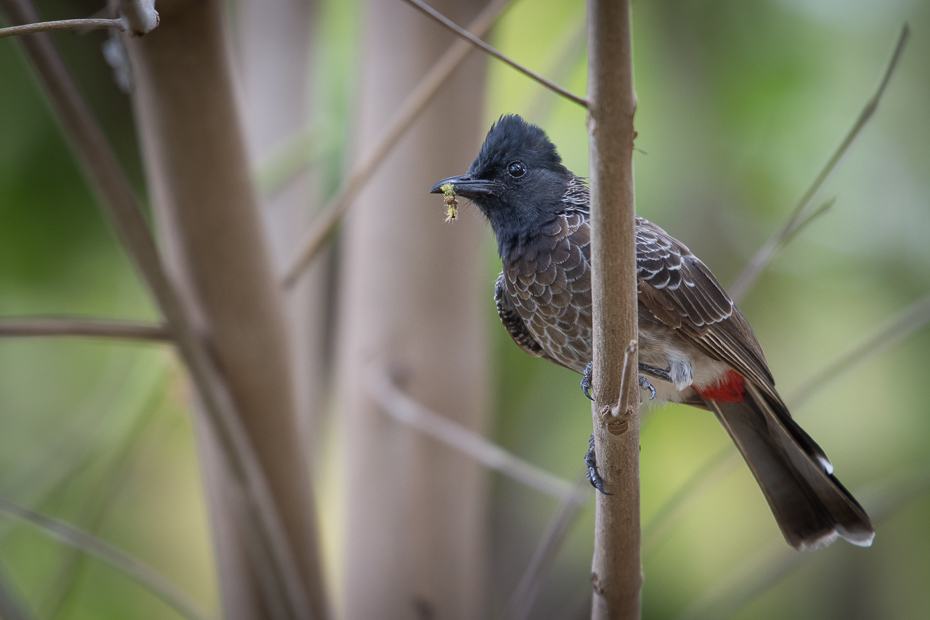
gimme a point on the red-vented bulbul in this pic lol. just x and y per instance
(695, 347)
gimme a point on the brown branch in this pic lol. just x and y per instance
(765, 254)
(334, 210)
(118, 200)
(92, 328)
(405, 410)
(445, 21)
(616, 573)
(521, 601)
(108, 554)
(63, 24)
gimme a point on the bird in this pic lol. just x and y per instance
(695, 346)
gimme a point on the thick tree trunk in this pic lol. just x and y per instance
(416, 297)
(205, 202)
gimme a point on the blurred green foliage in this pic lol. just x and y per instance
(740, 104)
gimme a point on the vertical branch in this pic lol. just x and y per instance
(414, 297)
(195, 156)
(616, 575)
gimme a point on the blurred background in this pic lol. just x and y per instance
(740, 106)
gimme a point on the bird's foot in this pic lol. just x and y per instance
(593, 476)
(644, 383)
(586, 378)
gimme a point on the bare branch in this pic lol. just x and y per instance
(93, 328)
(891, 333)
(521, 602)
(140, 15)
(106, 553)
(11, 607)
(616, 569)
(63, 24)
(116, 196)
(765, 254)
(408, 411)
(445, 21)
(770, 565)
(331, 214)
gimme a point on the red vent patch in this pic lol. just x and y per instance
(730, 389)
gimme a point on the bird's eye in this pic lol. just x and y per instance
(516, 169)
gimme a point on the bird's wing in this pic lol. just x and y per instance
(681, 292)
(512, 320)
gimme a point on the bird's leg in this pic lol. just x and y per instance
(591, 461)
(652, 371)
(656, 373)
(586, 378)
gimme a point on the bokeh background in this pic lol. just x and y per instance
(740, 105)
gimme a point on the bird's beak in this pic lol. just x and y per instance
(465, 186)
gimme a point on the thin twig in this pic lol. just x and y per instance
(521, 601)
(408, 411)
(880, 340)
(93, 328)
(106, 553)
(63, 24)
(445, 21)
(331, 214)
(765, 254)
(623, 397)
(11, 604)
(771, 564)
(116, 195)
(118, 472)
(567, 58)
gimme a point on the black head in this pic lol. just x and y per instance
(517, 180)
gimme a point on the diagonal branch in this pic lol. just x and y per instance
(408, 411)
(63, 24)
(331, 215)
(93, 328)
(118, 200)
(521, 601)
(767, 567)
(108, 554)
(765, 254)
(445, 21)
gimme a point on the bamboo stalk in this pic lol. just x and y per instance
(206, 204)
(118, 201)
(616, 573)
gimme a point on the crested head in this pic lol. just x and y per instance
(513, 139)
(517, 180)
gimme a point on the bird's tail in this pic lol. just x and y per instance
(810, 505)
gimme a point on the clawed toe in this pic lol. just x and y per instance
(644, 383)
(593, 476)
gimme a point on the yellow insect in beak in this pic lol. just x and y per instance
(452, 205)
